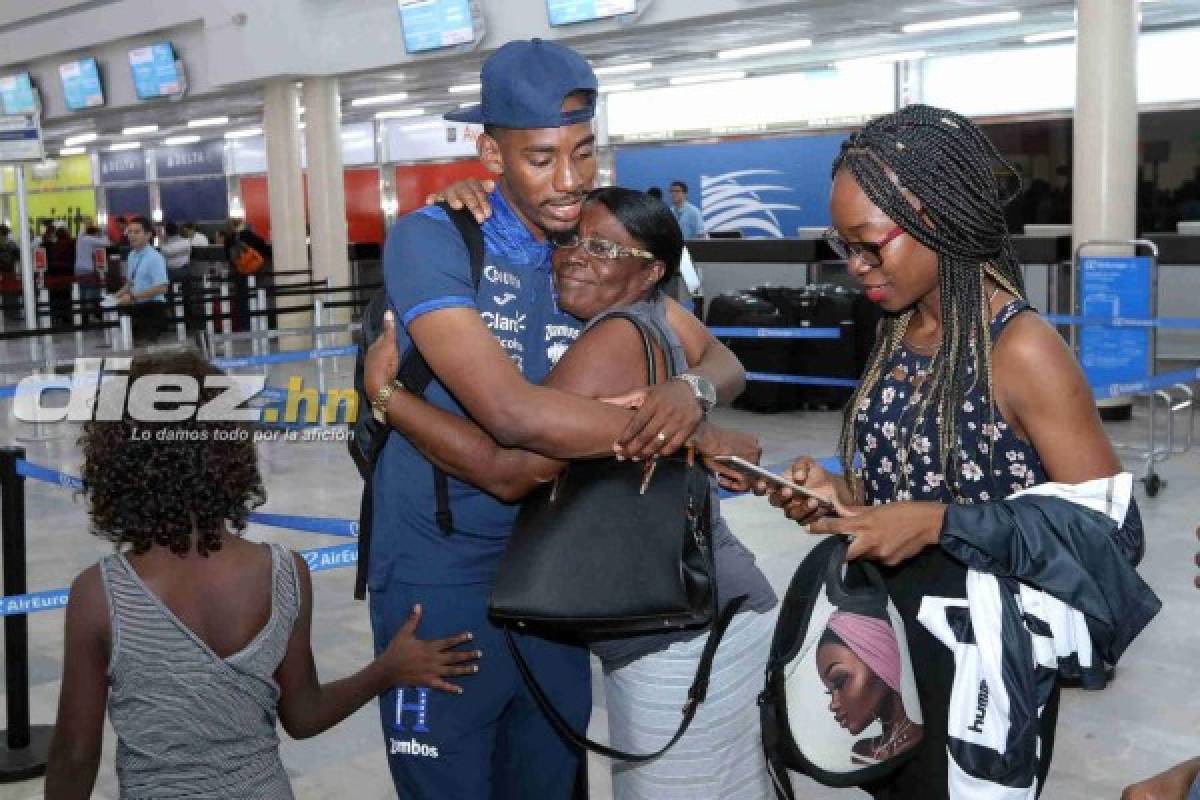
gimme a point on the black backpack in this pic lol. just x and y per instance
(369, 435)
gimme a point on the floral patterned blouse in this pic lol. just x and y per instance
(993, 461)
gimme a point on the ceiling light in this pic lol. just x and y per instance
(765, 49)
(400, 113)
(72, 151)
(624, 69)
(617, 87)
(207, 122)
(1052, 36)
(379, 99)
(174, 140)
(465, 88)
(139, 129)
(708, 77)
(243, 134)
(82, 138)
(961, 22)
(125, 146)
(882, 58)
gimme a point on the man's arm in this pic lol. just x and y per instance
(470, 363)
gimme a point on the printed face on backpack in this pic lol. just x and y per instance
(840, 684)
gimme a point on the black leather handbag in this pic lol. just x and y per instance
(610, 549)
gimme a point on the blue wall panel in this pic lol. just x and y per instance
(200, 200)
(125, 201)
(762, 187)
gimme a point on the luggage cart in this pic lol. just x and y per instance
(1129, 347)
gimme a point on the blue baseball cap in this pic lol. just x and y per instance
(525, 83)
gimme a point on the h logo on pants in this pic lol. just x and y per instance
(420, 708)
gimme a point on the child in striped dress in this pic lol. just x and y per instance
(196, 639)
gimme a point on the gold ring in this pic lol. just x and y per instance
(662, 437)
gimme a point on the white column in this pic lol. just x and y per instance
(1104, 194)
(285, 182)
(1104, 198)
(326, 187)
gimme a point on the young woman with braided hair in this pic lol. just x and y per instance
(968, 396)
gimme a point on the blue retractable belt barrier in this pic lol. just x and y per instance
(286, 357)
(1146, 385)
(807, 380)
(318, 559)
(776, 333)
(1124, 322)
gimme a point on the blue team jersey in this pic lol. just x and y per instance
(426, 269)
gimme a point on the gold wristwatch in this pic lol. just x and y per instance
(379, 402)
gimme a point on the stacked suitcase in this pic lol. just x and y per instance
(816, 306)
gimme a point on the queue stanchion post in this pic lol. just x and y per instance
(264, 327)
(25, 748)
(180, 310)
(227, 323)
(319, 340)
(77, 318)
(126, 327)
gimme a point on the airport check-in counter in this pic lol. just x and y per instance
(728, 265)
(1046, 265)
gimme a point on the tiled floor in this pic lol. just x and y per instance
(1146, 720)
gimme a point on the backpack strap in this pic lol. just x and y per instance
(416, 375)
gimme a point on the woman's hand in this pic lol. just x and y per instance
(416, 662)
(809, 473)
(1170, 785)
(471, 194)
(890, 533)
(669, 409)
(712, 440)
(382, 362)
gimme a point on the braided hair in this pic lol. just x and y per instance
(949, 165)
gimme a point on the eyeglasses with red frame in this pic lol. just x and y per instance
(870, 253)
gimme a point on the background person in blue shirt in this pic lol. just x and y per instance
(691, 222)
(146, 282)
(489, 347)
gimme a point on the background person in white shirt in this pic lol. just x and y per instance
(194, 237)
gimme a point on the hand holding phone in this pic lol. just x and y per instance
(755, 472)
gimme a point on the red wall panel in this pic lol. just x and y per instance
(364, 213)
(415, 182)
(254, 200)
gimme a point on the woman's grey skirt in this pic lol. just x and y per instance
(720, 757)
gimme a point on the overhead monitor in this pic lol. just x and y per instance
(433, 24)
(81, 84)
(568, 12)
(16, 94)
(156, 72)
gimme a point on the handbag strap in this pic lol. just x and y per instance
(696, 694)
(648, 343)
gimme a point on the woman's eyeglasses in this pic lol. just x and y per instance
(602, 248)
(870, 253)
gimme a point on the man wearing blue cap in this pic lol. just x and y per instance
(488, 347)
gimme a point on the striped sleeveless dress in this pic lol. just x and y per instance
(189, 723)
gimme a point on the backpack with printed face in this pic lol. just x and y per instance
(369, 435)
(840, 703)
(246, 260)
